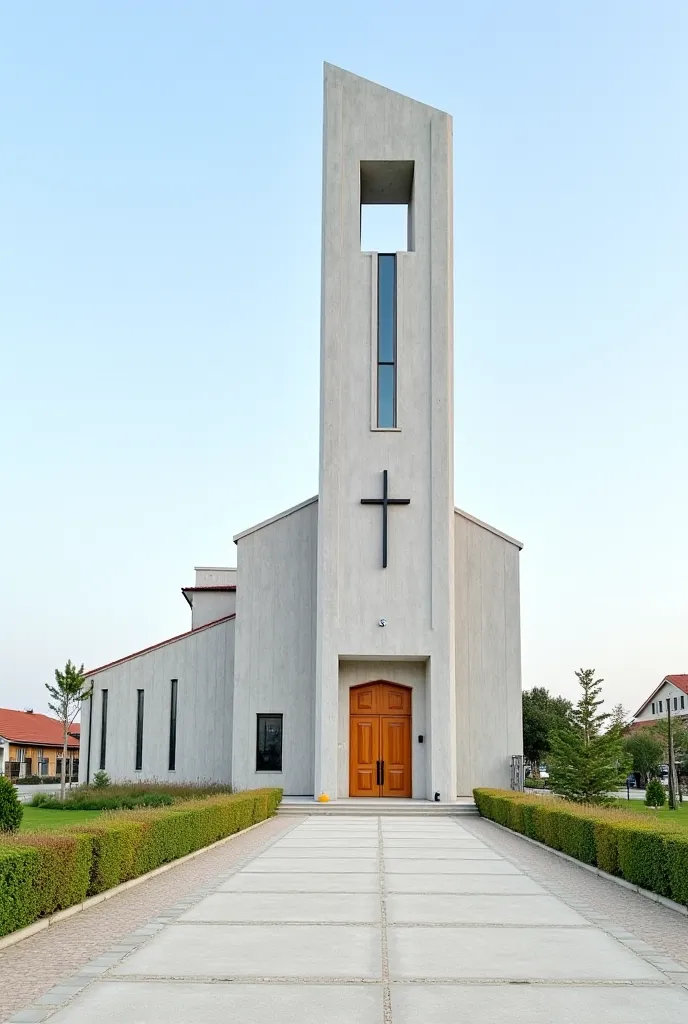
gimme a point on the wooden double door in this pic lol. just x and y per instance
(380, 740)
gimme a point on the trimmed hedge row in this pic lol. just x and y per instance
(43, 873)
(653, 855)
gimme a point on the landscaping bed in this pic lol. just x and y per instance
(41, 873)
(650, 853)
(125, 796)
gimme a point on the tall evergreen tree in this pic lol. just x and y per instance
(585, 763)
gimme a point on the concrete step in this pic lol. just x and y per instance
(376, 808)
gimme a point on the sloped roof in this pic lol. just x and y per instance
(34, 730)
(680, 681)
(163, 643)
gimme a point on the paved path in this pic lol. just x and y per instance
(376, 921)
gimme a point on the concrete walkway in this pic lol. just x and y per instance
(372, 921)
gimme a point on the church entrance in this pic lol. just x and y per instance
(380, 740)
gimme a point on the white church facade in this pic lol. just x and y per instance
(368, 642)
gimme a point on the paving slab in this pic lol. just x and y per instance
(327, 842)
(287, 906)
(439, 882)
(292, 881)
(279, 852)
(451, 866)
(153, 1003)
(445, 1004)
(468, 908)
(427, 853)
(437, 844)
(549, 954)
(324, 863)
(278, 951)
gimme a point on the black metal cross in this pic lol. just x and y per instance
(385, 500)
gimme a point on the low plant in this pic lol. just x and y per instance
(654, 794)
(28, 780)
(101, 780)
(11, 810)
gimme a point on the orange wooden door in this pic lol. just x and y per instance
(396, 755)
(364, 755)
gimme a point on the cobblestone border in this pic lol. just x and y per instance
(93, 901)
(647, 893)
(675, 973)
(60, 995)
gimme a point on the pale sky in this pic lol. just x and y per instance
(159, 307)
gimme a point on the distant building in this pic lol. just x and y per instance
(31, 744)
(672, 690)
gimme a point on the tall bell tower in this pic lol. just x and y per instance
(385, 561)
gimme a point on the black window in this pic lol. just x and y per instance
(660, 707)
(173, 725)
(653, 708)
(675, 703)
(103, 728)
(386, 340)
(139, 730)
(683, 702)
(269, 744)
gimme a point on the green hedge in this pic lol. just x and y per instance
(43, 873)
(653, 855)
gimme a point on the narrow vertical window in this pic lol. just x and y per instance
(269, 744)
(683, 702)
(139, 730)
(660, 707)
(173, 725)
(103, 727)
(386, 340)
(653, 708)
(675, 703)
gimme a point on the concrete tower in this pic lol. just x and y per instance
(386, 420)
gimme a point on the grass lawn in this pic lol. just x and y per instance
(36, 819)
(679, 816)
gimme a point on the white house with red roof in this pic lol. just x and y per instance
(671, 694)
(368, 643)
(32, 744)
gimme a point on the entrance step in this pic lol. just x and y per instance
(374, 808)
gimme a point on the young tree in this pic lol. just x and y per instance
(543, 714)
(646, 751)
(67, 695)
(585, 763)
(619, 716)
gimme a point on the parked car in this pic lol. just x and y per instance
(544, 774)
(630, 781)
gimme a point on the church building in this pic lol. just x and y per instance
(368, 642)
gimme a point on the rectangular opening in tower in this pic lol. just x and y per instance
(386, 205)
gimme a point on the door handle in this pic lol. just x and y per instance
(382, 773)
(377, 773)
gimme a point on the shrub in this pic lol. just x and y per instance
(42, 873)
(101, 779)
(18, 895)
(28, 780)
(651, 854)
(654, 794)
(101, 800)
(11, 810)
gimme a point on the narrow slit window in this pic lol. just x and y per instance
(103, 727)
(269, 744)
(660, 707)
(675, 703)
(683, 702)
(386, 340)
(139, 730)
(172, 761)
(653, 708)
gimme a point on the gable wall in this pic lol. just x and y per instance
(275, 648)
(488, 657)
(203, 665)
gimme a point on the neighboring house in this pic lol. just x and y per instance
(31, 744)
(672, 689)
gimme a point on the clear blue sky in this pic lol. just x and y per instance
(159, 307)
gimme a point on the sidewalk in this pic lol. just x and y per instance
(379, 921)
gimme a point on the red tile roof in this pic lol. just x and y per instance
(680, 681)
(163, 643)
(34, 730)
